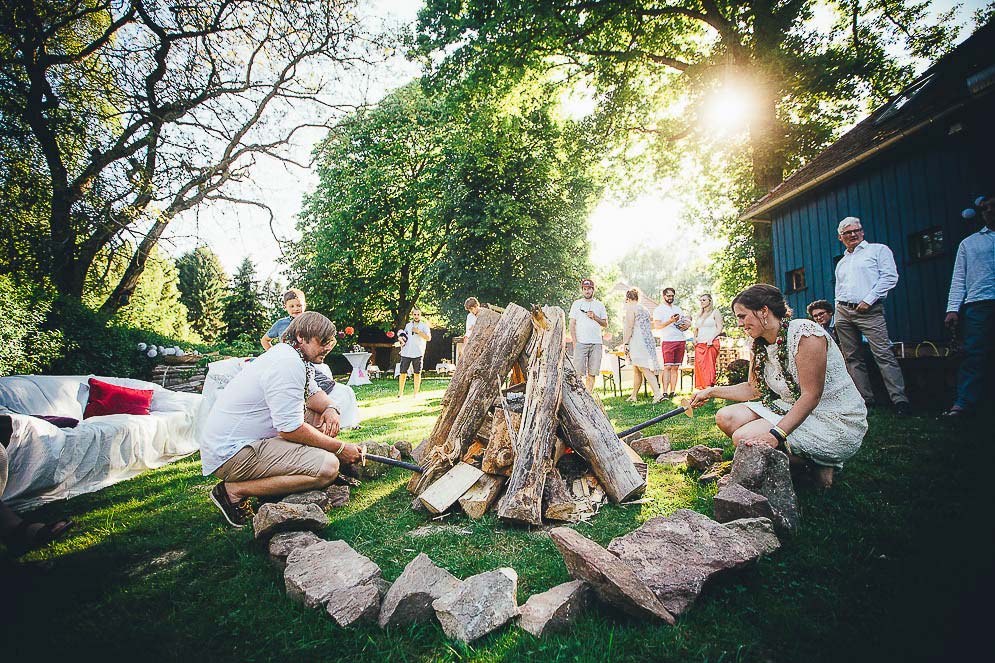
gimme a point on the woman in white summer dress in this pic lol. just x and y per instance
(812, 410)
(637, 339)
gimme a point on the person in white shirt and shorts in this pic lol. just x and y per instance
(672, 321)
(588, 317)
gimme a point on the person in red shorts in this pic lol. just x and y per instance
(673, 323)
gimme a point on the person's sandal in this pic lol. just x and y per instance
(955, 412)
(236, 514)
(21, 542)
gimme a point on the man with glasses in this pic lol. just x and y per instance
(821, 311)
(971, 306)
(864, 277)
(272, 429)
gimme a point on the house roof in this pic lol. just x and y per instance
(965, 73)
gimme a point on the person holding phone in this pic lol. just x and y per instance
(671, 320)
(588, 317)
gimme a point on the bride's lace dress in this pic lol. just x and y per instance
(832, 433)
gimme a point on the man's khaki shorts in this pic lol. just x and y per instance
(587, 358)
(272, 457)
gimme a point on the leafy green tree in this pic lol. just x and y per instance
(154, 305)
(245, 315)
(133, 112)
(25, 346)
(657, 70)
(202, 284)
(375, 226)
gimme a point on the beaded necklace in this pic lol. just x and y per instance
(767, 395)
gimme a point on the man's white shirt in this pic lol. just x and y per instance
(973, 278)
(266, 398)
(588, 331)
(415, 345)
(663, 313)
(865, 275)
(471, 320)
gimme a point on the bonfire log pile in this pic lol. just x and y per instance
(180, 377)
(542, 450)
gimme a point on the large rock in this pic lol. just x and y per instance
(765, 471)
(409, 600)
(701, 457)
(284, 543)
(319, 498)
(673, 458)
(314, 573)
(337, 495)
(372, 469)
(555, 610)
(651, 446)
(282, 517)
(350, 606)
(404, 448)
(419, 452)
(735, 501)
(675, 555)
(479, 605)
(758, 531)
(612, 579)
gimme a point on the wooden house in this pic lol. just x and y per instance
(907, 171)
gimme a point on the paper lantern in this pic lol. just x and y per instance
(341, 334)
(390, 334)
(349, 331)
(152, 352)
(142, 347)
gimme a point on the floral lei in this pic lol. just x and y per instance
(767, 395)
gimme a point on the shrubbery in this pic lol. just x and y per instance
(24, 346)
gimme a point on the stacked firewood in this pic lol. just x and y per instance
(543, 449)
(180, 378)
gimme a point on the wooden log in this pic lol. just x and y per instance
(557, 502)
(522, 501)
(482, 495)
(506, 342)
(473, 453)
(500, 452)
(589, 432)
(638, 463)
(453, 485)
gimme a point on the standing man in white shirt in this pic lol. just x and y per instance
(272, 430)
(671, 320)
(864, 276)
(413, 352)
(971, 305)
(472, 308)
(588, 317)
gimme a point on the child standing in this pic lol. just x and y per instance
(293, 302)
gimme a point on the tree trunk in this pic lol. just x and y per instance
(522, 500)
(500, 453)
(485, 374)
(590, 434)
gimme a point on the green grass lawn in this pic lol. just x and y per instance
(884, 567)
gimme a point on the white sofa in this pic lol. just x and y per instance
(49, 463)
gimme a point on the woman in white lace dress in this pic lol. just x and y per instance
(637, 340)
(812, 409)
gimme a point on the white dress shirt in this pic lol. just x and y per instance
(865, 274)
(973, 279)
(588, 331)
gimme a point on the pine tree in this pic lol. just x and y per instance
(244, 311)
(202, 284)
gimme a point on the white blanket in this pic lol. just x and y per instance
(49, 463)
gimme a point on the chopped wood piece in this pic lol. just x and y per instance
(522, 501)
(453, 485)
(474, 453)
(482, 495)
(580, 489)
(500, 452)
(557, 502)
(590, 433)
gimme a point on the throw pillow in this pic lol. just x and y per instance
(58, 422)
(107, 398)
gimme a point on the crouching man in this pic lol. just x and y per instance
(272, 430)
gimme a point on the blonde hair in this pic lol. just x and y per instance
(308, 326)
(711, 303)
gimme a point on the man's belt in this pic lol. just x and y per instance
(848, 304)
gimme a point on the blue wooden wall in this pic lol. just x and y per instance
(923, 183)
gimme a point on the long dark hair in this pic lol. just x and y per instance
(759, 295)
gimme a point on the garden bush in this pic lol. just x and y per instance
(737, 371)
(24, 346)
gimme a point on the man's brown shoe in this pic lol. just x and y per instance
(236, 514)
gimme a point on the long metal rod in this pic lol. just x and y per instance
(654, 420)
(395, 463)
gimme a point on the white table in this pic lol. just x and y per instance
(358, 362)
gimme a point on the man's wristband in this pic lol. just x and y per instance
(341, 447)
(331, 407)
(779, 434)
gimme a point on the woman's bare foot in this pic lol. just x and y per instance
(824, 477)
(631, 399)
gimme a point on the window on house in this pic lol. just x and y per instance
(926, 243)
(795, 279)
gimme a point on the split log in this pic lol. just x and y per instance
(590, 434)
(637, 462)
(557, 502)
(453, 485)
(500, 452)
(481, 495)
(505, 343)
(522, 500)
(473, 453)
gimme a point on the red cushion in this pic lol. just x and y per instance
(107, 398)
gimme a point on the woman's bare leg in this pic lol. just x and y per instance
(651, 381)
(733, 417)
